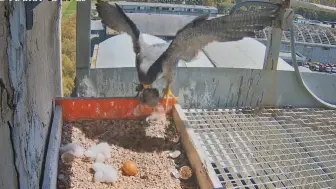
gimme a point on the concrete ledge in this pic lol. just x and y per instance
(51, 164)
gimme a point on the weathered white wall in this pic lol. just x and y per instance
(30, 75)
(7, 174)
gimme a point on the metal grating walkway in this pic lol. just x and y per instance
(268, 148)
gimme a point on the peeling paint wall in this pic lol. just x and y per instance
(30, 78)
(216, 87)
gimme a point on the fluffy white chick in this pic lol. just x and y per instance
(99, 153)
(104, 173)
(73, 149)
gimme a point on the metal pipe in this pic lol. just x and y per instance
(302, 43)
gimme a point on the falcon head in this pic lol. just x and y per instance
(148, 96)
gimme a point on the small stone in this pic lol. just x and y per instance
(61, 177)
(67, 157)
(176, 174)
(175, 154)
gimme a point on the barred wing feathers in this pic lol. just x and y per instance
(197, 34)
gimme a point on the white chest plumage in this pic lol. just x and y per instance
(150, 53)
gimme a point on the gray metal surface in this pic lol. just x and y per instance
(268, 147)
(83, 31)
(216, 87)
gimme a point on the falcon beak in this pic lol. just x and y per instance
(140, 88)
(146, 86)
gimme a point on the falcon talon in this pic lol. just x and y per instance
(149, 96)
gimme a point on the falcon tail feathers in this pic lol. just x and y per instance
(129, 21)
(115, 18)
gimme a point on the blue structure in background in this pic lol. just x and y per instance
(98, 34)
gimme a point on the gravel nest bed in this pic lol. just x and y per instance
(145, 143)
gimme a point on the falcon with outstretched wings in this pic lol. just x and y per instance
(159, 60)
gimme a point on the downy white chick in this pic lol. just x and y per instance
(73, 149)
(104, 173)
(99, 153)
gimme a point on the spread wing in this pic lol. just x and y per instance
(197, 34)
(114, 17)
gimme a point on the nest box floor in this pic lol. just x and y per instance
(146, 144)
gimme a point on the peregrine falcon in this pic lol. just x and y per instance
(159, 60)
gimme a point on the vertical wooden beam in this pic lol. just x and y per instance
(83, 43)
(83, 30)
(274, 37)
(272, 49)
(59, 43)
(51, 163)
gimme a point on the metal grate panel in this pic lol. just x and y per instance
(269, 147)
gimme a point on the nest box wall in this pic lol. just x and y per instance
(29, 81)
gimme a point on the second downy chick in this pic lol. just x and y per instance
(99, 153)
(73, 149)
(104, 173)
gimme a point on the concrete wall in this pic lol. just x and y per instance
(30, 80)
(216, 87)
(316, 53)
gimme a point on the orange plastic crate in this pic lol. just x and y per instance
(74, 109)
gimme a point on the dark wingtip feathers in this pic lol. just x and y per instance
(129, 21)
(101, 5)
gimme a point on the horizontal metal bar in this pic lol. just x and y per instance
(302, 43)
